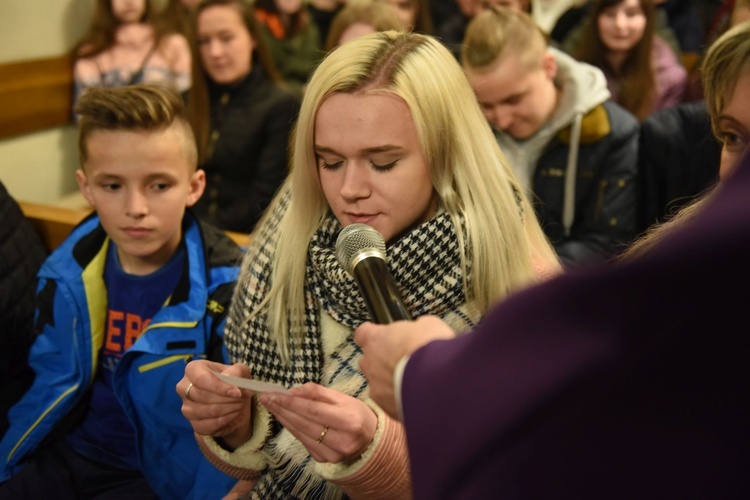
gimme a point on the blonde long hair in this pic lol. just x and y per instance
(470, 174)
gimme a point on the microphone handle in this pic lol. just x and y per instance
(379, 291)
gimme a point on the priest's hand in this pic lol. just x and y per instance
(385, 345)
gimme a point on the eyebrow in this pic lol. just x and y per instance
(729, 118)
(377, 149)
(517, 95)
(105, 176)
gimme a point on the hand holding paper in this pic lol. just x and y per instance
(214, 407)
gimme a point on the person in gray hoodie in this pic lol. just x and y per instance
(573, 149)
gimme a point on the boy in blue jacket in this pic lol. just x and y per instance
(134, 293)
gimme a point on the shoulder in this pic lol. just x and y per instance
(10, 212)
(666, 122)
(622, 120)
(84, 60)
(606, 120)
(81, 247)
(174, 42)
(595, 125)
(273, 98)
(665, 60)
(283, 101)
(220, 250)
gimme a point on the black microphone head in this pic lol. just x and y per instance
(356, 242)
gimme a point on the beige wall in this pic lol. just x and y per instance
(40, 166)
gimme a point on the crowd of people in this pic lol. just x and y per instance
(636, 56)
(501, 164)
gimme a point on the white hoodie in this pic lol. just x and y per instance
(582, 88)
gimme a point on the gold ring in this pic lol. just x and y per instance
(187, 391)
(322, 435)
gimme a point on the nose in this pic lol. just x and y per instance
(214, 48)
(136, 204)
(620, 19)
(356, 182)
(501, 118)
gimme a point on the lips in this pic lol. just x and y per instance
(361, 218)
(137, 232)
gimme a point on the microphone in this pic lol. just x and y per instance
(360, 249)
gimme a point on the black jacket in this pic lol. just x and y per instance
(251, 122)
(606, 192)
(679, 158)
(21, 256)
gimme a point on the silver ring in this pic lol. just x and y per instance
(187, 391)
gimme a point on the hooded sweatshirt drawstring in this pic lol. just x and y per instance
(569, 203)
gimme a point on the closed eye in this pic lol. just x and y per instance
(383, 168)
(329, 166)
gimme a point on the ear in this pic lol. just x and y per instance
(83, 185)
(549, 64)
(197, 186)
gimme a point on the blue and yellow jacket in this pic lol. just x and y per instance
(70, 321)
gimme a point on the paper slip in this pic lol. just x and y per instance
(253, 385)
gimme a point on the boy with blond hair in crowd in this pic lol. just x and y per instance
(574, 150)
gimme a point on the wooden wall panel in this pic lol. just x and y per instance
(35, 95)
(54, 223)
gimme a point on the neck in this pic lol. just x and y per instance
(286, 20)
(616, 59)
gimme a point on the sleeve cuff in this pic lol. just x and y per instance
(247, 461)
(398, 379)
(382, 472)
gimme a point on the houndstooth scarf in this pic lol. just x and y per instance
(425, 264)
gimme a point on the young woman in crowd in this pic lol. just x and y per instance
(292, 38)
(643, 73)
(361, 17)
(175, 17)
(240, 113)
(413, 157)
(122, 47)
(413, 14)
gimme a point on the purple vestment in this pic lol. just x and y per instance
(627, 381)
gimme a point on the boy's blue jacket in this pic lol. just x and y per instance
(70, 320)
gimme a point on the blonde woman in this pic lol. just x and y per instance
(376, 142)
(726, 81)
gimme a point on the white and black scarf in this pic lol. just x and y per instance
(426, 266)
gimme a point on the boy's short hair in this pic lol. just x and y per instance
(500, 31)
(145, 107)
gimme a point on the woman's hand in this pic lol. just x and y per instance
(214, 407)
(332, 426)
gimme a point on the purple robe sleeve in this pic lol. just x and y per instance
(625, 381)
